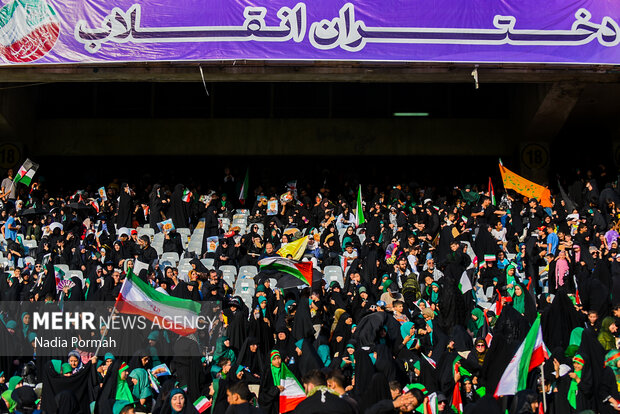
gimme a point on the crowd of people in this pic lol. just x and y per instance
(399, 334)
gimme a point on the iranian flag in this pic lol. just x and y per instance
(174, 314)
(202, 404)
(26, 172)
(293, 392)
(491, 192)
(59, 274)
(464, 283)
(359, 211)
(187, 195)
(28, 30)
(301, 270)
(243, 192)
(457, 400)
(531, 353)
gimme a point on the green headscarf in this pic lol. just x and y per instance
(262, 299)
(25, 328)
(611, 361)
(6, 395)
(118, 406)
(518, 302)
(222, 351)
(574, 342)
(510, 280)
(323, 352)
(572, 390)
(475, 325)
(276, 373)
(405, 328)
(123, 393)
(57, 365)
(386, 284)
(434, 295)
(605, 337)
(470, 197)
(143, 388)
(66, 368)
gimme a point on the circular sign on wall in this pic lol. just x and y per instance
(534, 156)
(9, 155)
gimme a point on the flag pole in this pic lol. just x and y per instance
(110, 318)
(544, 393)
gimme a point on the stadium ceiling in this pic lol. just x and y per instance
(310, 71)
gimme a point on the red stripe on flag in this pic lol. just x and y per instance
(126, 307)
(538, 357)
(306, 270)
(289, 403)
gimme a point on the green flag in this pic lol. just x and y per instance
(360, 209)
(243, 193)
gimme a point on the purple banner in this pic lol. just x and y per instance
(504, 31)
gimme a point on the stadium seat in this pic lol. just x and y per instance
(228, 269)
(75, 273)
(142, 231)
(489, 292)
(244, 286)
(334, 273)
(224, 223)
(194, 248)
(183, 272)
(185, 261)
(208, 263)
(247, 272)
(362, 238)
(63, 268)
(172, 257)
(31, 244)
(247, 299)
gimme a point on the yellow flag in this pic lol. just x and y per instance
(295, 249)
(525, 187)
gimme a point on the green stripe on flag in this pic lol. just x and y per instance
(293, 271)
(528, 348)
(360, 207)
(161, 297)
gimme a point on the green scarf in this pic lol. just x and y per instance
(475, 326)
(510, 280)
(611, 361)
(222, 351)
(518, 302)
(605, 337)
(470, 197)
(142, 389)
(25, 328)
(572, 391)
(574, 342)
(434, 295)
(11, 405)
(385, 284)
(276, 373)
(123, 393)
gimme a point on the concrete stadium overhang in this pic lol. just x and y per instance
(310, 71)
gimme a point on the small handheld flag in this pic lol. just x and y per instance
(26, 172)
